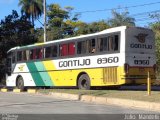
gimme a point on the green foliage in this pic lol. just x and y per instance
(85, 28)
(39, 32)
(33, 9)
(61, 22)
(155, 16)
(156, 28)
(15, 31)
(120, 19)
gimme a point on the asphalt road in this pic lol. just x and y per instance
(24, 103)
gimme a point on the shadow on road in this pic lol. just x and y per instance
(128, 88)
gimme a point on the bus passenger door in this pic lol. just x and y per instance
(10, 63)
(8, 67)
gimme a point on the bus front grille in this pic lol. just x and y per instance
(110, 75)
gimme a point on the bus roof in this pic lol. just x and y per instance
(110, 30)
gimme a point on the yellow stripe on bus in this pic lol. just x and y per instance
(49, 65)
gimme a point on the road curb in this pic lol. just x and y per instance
(4, 90)
(65, 96)
(107, 100)
(17, 90)
(32, 91)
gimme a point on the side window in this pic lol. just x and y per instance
(31, 54)
(71, 48)
(116, 42)
(47, 52)
(24, 55)
(103, 44)
(19, 56)
(63, 49)
(92, 46)
(34, 54)
(54, 51)
(81, 47)
(109, 43)
(39, 53)
(27, 54)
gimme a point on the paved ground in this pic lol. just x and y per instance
(23, 103)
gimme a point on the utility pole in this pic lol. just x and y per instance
(44, 4)
(149, 84)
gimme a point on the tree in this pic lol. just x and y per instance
(61, 22)
(33, 9)
(84, 28)
(155, 16)
(14, 31)
(120, 19)
(156, 28)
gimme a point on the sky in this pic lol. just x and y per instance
(138, 11)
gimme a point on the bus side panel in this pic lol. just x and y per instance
(45, 74)
(11, 80)
(69, 77)
(27, 78)
(98, 76)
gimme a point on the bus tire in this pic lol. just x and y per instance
(20, 83)
(84, 82)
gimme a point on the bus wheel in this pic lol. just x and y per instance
(84, 82)
(20, 83)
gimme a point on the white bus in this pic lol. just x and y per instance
(115, 56)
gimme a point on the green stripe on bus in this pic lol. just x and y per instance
(35, 74)
(44, 75)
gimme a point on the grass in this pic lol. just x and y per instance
(123, 94)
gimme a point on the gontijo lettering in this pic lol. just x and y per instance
(144, 46)
(71, 63)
